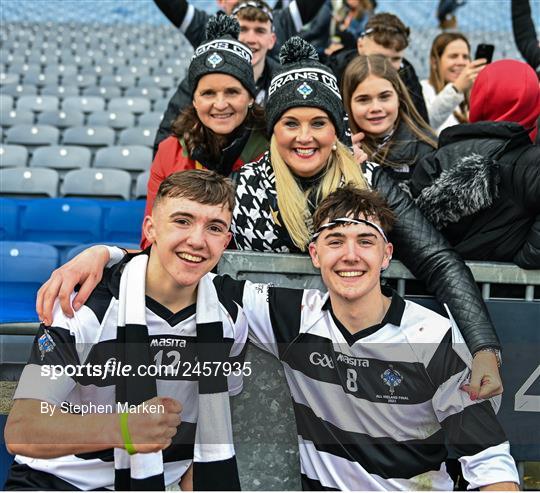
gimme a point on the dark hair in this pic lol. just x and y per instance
(387, 30)
(356, 72)
(255, 14)
(351, 201)
(205, 187)
(437, 49)
(189, 127)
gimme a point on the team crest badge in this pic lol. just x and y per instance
(214, 60)
(392, 378)
(45, 343)
(304, 89)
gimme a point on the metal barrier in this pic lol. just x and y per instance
(263, 421)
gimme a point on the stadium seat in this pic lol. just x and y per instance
(160, 105)
(62, 70)
(73, 252)
(60, 91)
(135, 105)
(98, 70)
(7, 79)
(122, 81)
(61, 118)
(13, 155)
(6, 102)
(103, 183)
(86, 104)
(130, 158)
(141, 185)
(16, 117)
(150, 120)
(123, 221)
(9, 217)
(39, 79)
(32, 135)
(107, 92)
(137, 136)
(62, 222)
(152, 93)
(18, 90)
(89, 136)
(37, 103)
(80, 80)
(114, 119)
(161, 81)
(61, 157)
(24, 267)
(24, 182)
(136, 70)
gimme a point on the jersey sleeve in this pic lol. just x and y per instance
(470, 427)
(53, 358)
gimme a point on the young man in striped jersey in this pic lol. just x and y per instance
(374, 379)
(66, 425)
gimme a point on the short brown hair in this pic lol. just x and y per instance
(205, 187)
(351, 201)
(254, 14)
(387, 30)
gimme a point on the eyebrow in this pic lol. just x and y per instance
(337, 234)
(174, 215)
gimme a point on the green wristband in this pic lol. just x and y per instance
(128, 444)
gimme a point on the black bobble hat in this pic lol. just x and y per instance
(304, 81)
(222, 53)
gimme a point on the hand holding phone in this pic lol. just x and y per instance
(484, 50)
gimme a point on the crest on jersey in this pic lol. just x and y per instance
(45, 343)
(304, 89)
(214, 60)
(392, 378)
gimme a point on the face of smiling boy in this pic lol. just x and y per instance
(350, 258)
(188, 239)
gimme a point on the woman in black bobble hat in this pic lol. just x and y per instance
(224, 127)
(277, 195)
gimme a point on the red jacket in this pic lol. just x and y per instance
(172, 157)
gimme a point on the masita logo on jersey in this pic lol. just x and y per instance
(167, 342)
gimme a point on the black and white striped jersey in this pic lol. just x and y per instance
(90, 338)
(373, 410)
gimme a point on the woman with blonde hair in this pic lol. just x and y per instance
(451, 77)
(383, 118)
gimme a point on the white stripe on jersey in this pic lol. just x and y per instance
(352, 414)
(336, 472)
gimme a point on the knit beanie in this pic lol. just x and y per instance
(303, 81)
(222, 53)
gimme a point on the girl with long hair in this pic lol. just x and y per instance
(451, 76)
(382, 116)
(224, 127)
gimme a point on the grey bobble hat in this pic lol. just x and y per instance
(222, 53)
(304, 81)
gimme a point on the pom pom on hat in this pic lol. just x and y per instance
(221, 25)
(295, 50)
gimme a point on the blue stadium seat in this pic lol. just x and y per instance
(63, 222)
(123, 221)
(9, 217)
(24, 267)
(73, 252)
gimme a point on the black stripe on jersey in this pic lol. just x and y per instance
(320, 359)
(309, 484)
(285, 306)
(211, 351)
(61, 352)
(100, 299)
(474, 429)
(385, 457)
(216, 475)
(445, 362)
(21, 478)
(230, 293)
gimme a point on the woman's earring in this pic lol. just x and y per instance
(250, 105)
(334, 147)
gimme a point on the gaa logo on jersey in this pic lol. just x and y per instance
(45, 343)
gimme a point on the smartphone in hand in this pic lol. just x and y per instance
(484, 50)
